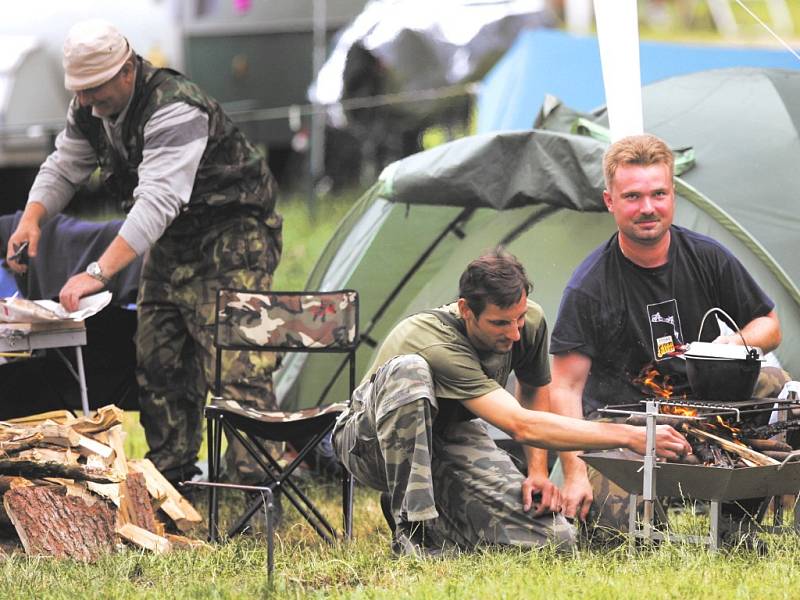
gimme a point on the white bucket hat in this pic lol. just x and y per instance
(94, 52)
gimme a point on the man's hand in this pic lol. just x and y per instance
(27, 231)
(77, 287)
(576, 497)
(669, 443)
(550, 500)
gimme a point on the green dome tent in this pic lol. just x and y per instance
(539, 193)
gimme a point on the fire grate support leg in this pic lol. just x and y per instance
(632, 527)
(796, 510)
(714, 515)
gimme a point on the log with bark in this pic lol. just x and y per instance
(54, 524)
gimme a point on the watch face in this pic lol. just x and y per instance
(93, 269)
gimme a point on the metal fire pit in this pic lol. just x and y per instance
(644, 476)
(700, 482)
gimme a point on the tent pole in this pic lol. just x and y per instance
(452, 227)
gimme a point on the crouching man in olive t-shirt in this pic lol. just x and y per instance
(409, 430)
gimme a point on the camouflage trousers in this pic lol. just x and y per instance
(610, 508)
(457, 480)
(175, 338)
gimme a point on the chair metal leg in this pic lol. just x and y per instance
(214, 457)
(279, 479)
(270, 533)
(347, 504)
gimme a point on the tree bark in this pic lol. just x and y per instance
(53, 524)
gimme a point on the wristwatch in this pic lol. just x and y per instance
(94, 270)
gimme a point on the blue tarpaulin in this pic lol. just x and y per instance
(545, 61)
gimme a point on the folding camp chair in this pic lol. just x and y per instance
(280, 322)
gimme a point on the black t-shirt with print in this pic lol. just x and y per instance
(626, 318)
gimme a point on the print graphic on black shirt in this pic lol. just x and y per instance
(665, 328)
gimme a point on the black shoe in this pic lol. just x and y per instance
(321, 460)
(409, 540)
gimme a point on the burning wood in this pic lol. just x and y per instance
(748, 454)
(714, 440)
(89, 496)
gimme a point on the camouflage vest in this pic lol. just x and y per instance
(231, 170)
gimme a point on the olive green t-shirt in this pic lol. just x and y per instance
(460, 371)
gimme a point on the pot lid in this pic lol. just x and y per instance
(709, 350)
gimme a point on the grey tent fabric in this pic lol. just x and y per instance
(503, 171)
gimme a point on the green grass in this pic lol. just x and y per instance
(365, 568)
(305, 235)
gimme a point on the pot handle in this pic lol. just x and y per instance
(751, 352)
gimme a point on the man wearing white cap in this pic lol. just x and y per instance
(200, 201)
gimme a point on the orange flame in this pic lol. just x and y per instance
(653, 381)
(678, 410)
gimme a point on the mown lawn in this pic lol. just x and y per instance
(364, 568)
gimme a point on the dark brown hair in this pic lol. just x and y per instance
(495, 278)
(643, 150)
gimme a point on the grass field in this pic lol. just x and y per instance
(364, 568)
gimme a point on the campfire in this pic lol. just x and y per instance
(720, 434)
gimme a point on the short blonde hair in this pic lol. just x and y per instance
(644, 150)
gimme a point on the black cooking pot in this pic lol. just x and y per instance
(722, 372)
(723, 379)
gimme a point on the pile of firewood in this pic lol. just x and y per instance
(69, 491)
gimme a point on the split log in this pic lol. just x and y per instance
(74, 489)
(61, 417)
(31, 468)
(48, 455)
(55, 524)
(177, 508)
(116, 439)
(109, 491)
(748, 454)
(59, 435)
(772, 445)
(135, 506)
(103, 419)
(144, 539)
(87, 446)
(181, 541)
(20, 442)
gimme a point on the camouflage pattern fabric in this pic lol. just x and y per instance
(466, 489)
(287, 320)
(198, 255)
(611, 502)
(232, 170)
(278, 416)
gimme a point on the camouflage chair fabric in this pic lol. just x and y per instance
(287, 321)
(277, 425)
(281, 322)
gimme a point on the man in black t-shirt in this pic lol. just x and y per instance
(640, 296)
